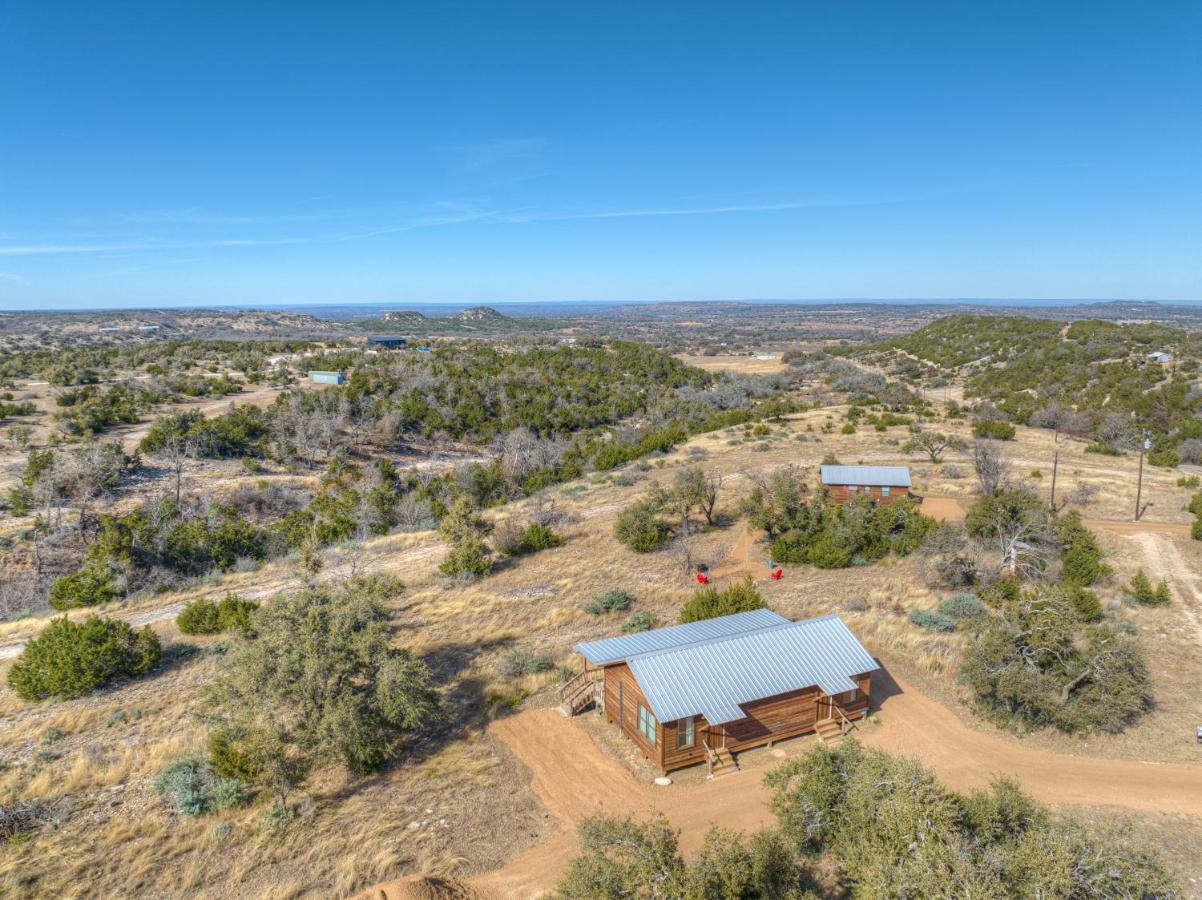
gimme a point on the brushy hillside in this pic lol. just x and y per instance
(1093, 378)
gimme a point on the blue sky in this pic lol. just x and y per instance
(172, 154)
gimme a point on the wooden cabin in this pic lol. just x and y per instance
(701, 692)
(882, 483)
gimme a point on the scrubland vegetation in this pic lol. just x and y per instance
(530, 495)
(876, 826)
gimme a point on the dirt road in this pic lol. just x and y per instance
(951, 509)
(744, 558)
(573, 778)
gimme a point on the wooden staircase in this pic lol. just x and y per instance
(829, 730)
(585, 690)
(834, 724)
(721, 761)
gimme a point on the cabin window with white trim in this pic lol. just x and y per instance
(885, 492)
(646, 724)
(684, 733)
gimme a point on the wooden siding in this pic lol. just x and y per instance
(622, 697)
(841, 493)
(769, 720)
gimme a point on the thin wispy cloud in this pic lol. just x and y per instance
(11, 276)
(202, 217)
(688, 210)
(443, 215)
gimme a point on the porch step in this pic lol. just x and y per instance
(829, 731)
(723, 764)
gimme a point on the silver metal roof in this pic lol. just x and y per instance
(712, 678)
(891, 476)
(612, 650)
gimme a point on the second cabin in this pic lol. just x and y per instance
(882, 483)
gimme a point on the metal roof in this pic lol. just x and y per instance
(891, 476)
(615, 649)
(712, 678)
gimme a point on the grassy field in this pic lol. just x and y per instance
(461, 804)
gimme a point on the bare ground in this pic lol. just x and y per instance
(573, 778)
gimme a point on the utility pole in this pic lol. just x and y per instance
(1055, 467)
(1144, 445)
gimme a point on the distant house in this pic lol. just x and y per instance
(883, 483)
(386, 343)
(700, 692)
(148, 327)
(1159, 356)
(326, 377)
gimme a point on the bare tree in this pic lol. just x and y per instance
(683, 549)
(176, 449)
(1023, 541)
(711, 484)
(991, 469)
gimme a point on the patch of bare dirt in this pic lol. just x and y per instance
(573, 778)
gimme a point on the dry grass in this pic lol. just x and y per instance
(122, 842)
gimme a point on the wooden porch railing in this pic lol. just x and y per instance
(581, 689)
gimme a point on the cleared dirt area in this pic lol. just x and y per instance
(945, 509)
(573, 778)
(760, 364)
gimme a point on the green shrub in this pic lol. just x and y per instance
(1141, 590)
(1188, 481)
(831, 536)
(206, 617)
(639, 527)
(848, 429)
(1085, 602)
(70, 659)
(894, 831)
(961, 607)
(709, 602)
(199, 617)
(1080, 556)
(1164, 457)
(233, 614)
(639, 621)
(1102, 448)
(536, 537)
(236, 753)
(993, 428)
(609, 602)
(324, 677)
(87, 587)
(932, 621)
(1035, 662)
(191, 787)
(467, 557)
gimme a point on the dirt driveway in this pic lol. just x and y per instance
(950, 509)
(573, 778)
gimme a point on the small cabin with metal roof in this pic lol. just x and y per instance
(701, 692)
(882, 483)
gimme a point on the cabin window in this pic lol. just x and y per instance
(884, 492)
(646, 724)
(684, 733)
(848, 697)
